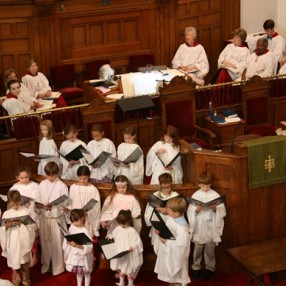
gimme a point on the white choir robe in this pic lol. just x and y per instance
(149, 211)
(70, 173)
(236, 55)
(29, 190)
(264, 65)
(196, 55)
(276, 45)
(17, 242)
(155, 167)
(282, 70)
(207, 225)
(48, 147)
(74, 256)
(80, 196)
(50, 234)
(130, 263)
(110, 211)
(5, 283)
(96, 148)
(36, 84)
(172, 264)
(135, 172)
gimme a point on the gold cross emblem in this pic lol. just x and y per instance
(269, 164)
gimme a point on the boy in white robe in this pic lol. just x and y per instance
(206, 226)
(70, 167)
(17, 240)
(50, 216)
(173, 255)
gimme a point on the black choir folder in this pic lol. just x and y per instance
(110, 250)
(55, 202)
(26, 219)
(89, 205)
(155, 202)
(73, 155)
(159, 224)
(132, 158)
(36, 157)
(95, 162)
(217, 201)
(135, 103)
(79, 238)
(164, 159)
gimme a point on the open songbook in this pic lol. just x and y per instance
(36, 157)
(26, 219)
(217, 201)
(55, 95)
(55, 202)
(24, 199)
(79, 238)
(73, 155)
(159, 224)
(132, 158)
(95, 162)
(88, 206)
(155, 202)
(165, 160)
(110, 250)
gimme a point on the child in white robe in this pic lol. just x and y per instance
(102, 174)
(70, 167)
(172, 262)
(206, 227)
(47, 145)
(78, 258)
(168, 147)
(165, 193)
(50, 216)
(126, 238)
(133, 171)
(29, 189)
(122, 197)
(80, 194)
(17, 240)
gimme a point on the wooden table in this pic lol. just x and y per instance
(261, 258)
(226, 132)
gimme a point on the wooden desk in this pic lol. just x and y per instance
(266, 257)
(226, 132)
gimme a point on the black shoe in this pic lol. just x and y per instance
(207, 274)
(196, 274)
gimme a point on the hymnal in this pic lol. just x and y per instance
(217, 119)
(26, 219)
(95, 162)
(73, 155)
(4, 198)
(55, 202)
(155, 202)
(36, 157)
(25, 199)
(132, 158)
(79, 238)
(229, 112)
(159, 224)
(88, 206)
(110, 250)
(217, 201)
(55, 95)
(196, 146)
(165, 160)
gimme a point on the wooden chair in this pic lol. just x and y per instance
(179, 109)
(140, 60)
(63, 80)
(256, 107)
(92, 68)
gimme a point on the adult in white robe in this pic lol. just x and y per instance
(191, 57)
(134, 171)
(206, 228)
(110, 210)
(49, 220)
(80, 196)
(124, 238)
(96, 148)
(154, 167)
(70, 171)
(173, 257)
(74, 256)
